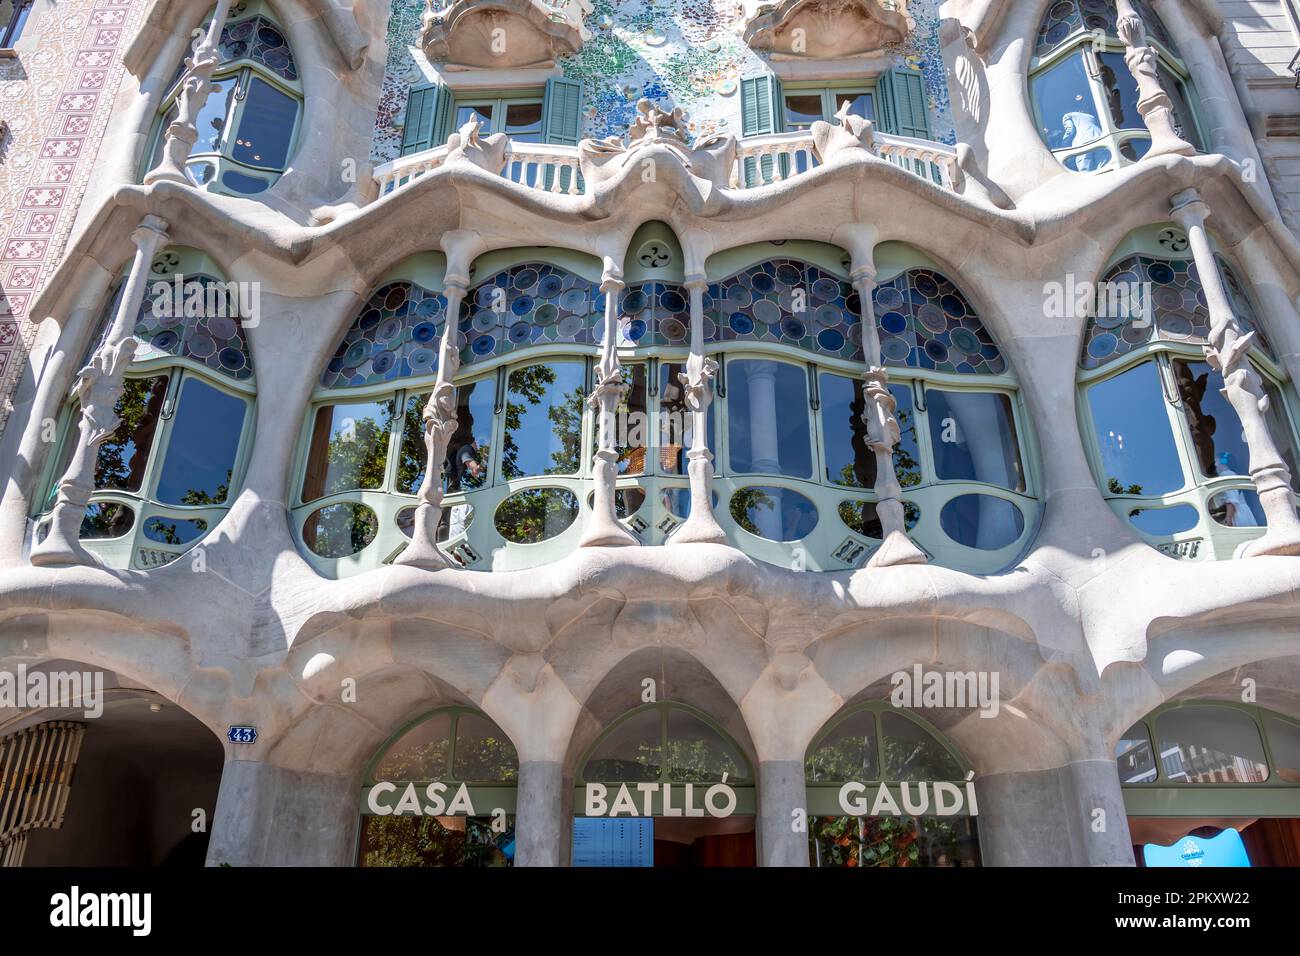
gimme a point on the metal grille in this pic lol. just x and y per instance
(36, 768)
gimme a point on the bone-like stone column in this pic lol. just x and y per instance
(1227, 353)
(603, 528)
(196, 86)
(782, 791)
(98, 389)
(439, 425)
(1153, 102)
(539, 814)
(701, 527)
(883, 432)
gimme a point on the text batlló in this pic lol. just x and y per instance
(949, 800)
(409, 803)
(719, 800)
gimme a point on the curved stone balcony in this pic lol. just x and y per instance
(759, 161)
(825, 29)
(504, 34)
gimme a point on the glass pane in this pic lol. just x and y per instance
(778, 514)
(1284, 742)
(1210, 745)
(768, 418)
(1064, 105)
(1135, 148)
(349, 448)
(265, 126)
(631, 426)
(12, 21)
(862, 517)
(633, 751)
(675, 421)
(973, 435)
(1120, 92)
(848, 752)
(124, 455)
(168, 118)
(468, 452)
(1133, 757)
(483, 751)
(174, 530)
(202, 446)
(697, 753)
(536, 515)
(465, 111)
(104, 520)
(524, 122)
(247, 185)
(1238, 508)
(892, 841)
(1138, 454)
(1184, 123)
(1162, 522)
(801, 111)
(211, 123)
(422, 753)
(1089, 161)
(982, 521)
(544, 405)
(411, 841)
(340, 530)
(1216, 430)
(860, 104)
(1279, 426)
(849, 461)
(912, 754)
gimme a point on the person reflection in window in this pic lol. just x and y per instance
(1237, 512)
(1080, 129)
(1192, 389)
(466, 472)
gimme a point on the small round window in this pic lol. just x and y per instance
(536, 515)
(340, 530)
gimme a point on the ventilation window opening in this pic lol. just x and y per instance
(1084, 97)
(249, 124)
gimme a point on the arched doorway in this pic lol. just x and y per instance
(110, 775)
(664, 785)
(885, 788)
(441, 792)
(1212, 783)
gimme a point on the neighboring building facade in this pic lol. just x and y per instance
(865, 433)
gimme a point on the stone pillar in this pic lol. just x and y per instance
(883, 432)
(440, 422)
(539, 814)
(98, 389)
(269, 816)
(1228, 353)
(603, 528)
(764, 445)
(1067, 816)
(1153, 102)
(781, 792)
(701, 527)
(196, 85)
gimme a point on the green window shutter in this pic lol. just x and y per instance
(428, 113)
(902, 104)
(762, 111)
(562, 112)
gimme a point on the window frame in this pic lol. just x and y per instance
(827, 90)
(13, 30)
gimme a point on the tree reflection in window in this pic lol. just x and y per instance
(543, 393)
(664, 742)
(124, 455)
(349, 448)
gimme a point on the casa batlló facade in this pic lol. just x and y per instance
(652, 433)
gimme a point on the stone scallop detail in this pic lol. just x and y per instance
(1178, 312)
(1066, 17)
(926, 323)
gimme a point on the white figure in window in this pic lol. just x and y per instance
(464, 466)
(1080, 129)
(1237, 512)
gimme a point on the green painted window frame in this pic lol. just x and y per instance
(500, 101)
(1081, 43)
(823, 795)
(1164, 798)
(827, 91)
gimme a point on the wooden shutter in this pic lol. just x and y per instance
(902, 104)
(561, 120)
(428, 118)
(762, 111)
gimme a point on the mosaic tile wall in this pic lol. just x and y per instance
(685, 53)
(56, 98)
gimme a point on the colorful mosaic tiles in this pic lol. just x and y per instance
(395, 336)
(791, 303)
(56, 97)
(685, 53)
(1170, 307)
(1065, 17)
(926, 323)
